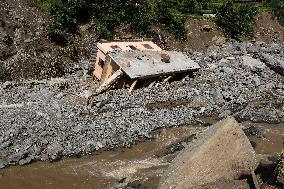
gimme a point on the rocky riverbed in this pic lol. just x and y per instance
(48, 119)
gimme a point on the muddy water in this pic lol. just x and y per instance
(272, 141)
(145, 162)
(104, 170)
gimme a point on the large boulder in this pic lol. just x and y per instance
(223, 153)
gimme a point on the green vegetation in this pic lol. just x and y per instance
(56, 68)
(171, 15)
(277, 7)
(237, 20)
(66, 17)
(139, 15)
(109, 15)
(8, 40)
(44, 5)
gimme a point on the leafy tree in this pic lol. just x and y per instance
(278, 9)
(138, 14)
(172, 14)
(237, 20)
(66, 17)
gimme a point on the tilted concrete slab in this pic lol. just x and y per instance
(224, 152)
(142, 64)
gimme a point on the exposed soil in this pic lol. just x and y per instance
(202, 33)
(166, 105)
(268, 29)
(25, 49)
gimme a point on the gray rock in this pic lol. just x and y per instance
(3, 164)
(58, 84)
(275, 64)
(25, 161)
(253, 49)
(252, 64)
(198, 102)
(218, 98)
(224, 114)
(7, 85)
(256, 81)
(54, 151)
(15, 158)
(35, 114)
(90, 147)
(5, 145)
(279, 67)
(223, 152)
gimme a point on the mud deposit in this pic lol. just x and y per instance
(140, 166)
(271, 139)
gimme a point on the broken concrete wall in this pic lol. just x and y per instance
(223, 153)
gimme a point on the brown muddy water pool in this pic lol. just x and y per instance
(143, 163)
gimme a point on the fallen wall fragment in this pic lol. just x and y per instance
(223, 153)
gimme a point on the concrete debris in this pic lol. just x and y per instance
(224, 152)
(252, 64)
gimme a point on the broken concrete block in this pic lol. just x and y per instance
(223, 153)
(252, 63)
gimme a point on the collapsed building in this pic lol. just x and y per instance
(130, 61)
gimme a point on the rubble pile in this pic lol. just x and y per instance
(48, 119)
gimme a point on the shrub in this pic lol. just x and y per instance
(278, 9)
(73, 51)
(66, 17)
(8, 40)
(56, 32)
(172, 14)
(237, 20)
(139, 15)
(56, 68)
(44, 5)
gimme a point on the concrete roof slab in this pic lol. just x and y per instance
(141, 64)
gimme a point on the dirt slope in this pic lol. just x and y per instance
(25, 49)
(268, 29)
(24, 46)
